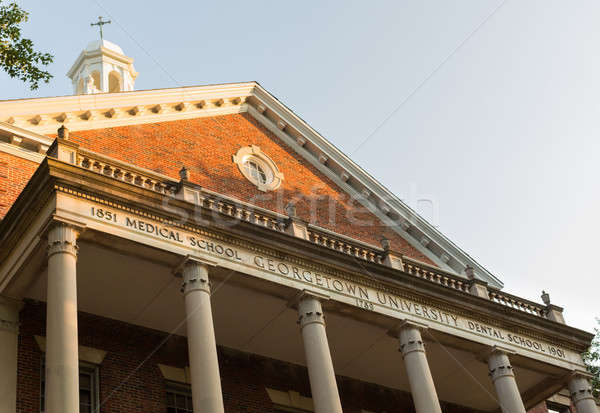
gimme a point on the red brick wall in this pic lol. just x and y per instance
(14, 174)
(130, 381)
(206, 145)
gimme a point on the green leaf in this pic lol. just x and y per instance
(592, 361)
(18, 58)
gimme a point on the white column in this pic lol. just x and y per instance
(420, 380)
(62, 358)
(9, 331)
(581, 394)
(503, 377)
(207, 396)
(323, 386)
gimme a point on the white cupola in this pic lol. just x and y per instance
(102, 67)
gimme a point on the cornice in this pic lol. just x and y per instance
(106, 110)
(97, 111)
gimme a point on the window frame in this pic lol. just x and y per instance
(253, 154)
(558, 408)
(181, 389)
(256, 171)
(92, 369)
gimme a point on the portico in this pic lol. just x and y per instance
(222, 273)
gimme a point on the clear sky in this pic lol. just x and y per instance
(495, 112)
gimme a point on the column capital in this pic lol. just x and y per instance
(499, 364)
(194, 271)
(309, 307)
(9, 314)
(62, 235)
(580, 388)
(409, 334)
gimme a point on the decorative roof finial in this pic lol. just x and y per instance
(470, 272)
(184, 174)
(385, 243)
(545, 297)
(100, 23)
(290, 209)
(63, 133)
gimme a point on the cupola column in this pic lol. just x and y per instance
(202, 347)
(581, 394)
(502, 375)
(62, 356)
(420, 380)
(323, 386)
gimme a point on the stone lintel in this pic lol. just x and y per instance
(89, 354)
(291, 399)
(176, 374)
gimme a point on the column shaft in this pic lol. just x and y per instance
(9, 331)
(323, 386)
(503, 377)
(581, 395)
(204, 366)
(62, 358)
(421, 383)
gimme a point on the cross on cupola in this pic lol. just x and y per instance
(100, 23)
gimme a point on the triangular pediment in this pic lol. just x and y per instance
(35, 121)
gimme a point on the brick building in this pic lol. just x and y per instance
(204, 249)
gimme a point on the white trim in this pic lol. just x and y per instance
(21, 152)
(290, 399)
(25, 133)
(21, 107)
(119, 116)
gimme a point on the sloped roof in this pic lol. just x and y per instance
(37, 117)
